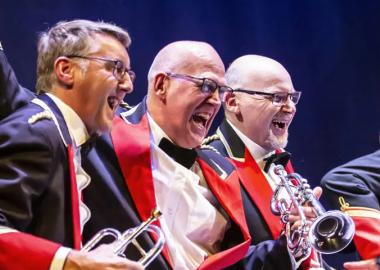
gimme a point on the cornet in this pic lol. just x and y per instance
(331, 232)
(129, 236)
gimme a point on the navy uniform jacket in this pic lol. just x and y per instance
(38, 196)
(228, 144)
(112, 204)
(120, 168)
(110, 199)
(264, 227)
(355, 189)
(124, 178)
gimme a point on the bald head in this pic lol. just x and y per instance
(185, 55)
(256, 71)
(254, 113)
(176, 101)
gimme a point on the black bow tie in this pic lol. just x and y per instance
(277, 159)
(183, 156)
(88, 145)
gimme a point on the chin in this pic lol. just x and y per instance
(274, 142)
(196, 142)
(189, 143)
(279, 143)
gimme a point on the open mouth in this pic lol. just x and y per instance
(279, 124)
(113, 102)
(201, 118)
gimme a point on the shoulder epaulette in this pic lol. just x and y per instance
(209, 147)
(210, 139)
(40, 116)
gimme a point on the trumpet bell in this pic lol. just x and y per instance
(331, 232)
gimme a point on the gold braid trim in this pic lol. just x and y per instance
(125, 105)
(210, 139)
(39, 116)
(358, 211)
(209, 147)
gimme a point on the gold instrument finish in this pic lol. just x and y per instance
(122, 240)
(329, 233)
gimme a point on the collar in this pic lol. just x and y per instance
(74, 123)
(257, 152)
(156, 132)
(184, 156)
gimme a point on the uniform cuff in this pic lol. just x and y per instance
(59, 258)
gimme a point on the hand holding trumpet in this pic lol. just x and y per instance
(294, 217)
(123, 239)
(99, 258)
(308, 225)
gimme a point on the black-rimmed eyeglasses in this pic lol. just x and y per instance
(119, 70)
(206, 85)
(278, 99)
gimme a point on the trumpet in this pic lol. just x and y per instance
(329, 233)
(122, 240)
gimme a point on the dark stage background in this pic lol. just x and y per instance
(331, 49)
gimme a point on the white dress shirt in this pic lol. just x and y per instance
(79, 135)
(191, 223)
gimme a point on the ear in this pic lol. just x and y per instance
(231, 103)
(64, 71)
(160, 86)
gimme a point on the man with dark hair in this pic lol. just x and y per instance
(83, 71)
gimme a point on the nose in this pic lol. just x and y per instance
(214, 98)
(289, 106)
(126, 85)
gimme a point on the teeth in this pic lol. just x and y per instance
(279, 124)
(201, 118)
(205, 116)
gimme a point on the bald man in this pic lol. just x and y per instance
(150, 160)
(258, 113)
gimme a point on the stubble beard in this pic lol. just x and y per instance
(273, 142)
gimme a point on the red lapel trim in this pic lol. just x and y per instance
(132, 148)
(77, 238)
(228, 194)
(259, 190)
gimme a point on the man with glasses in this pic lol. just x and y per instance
(42, 215)
(258, 112)
(151, 160)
